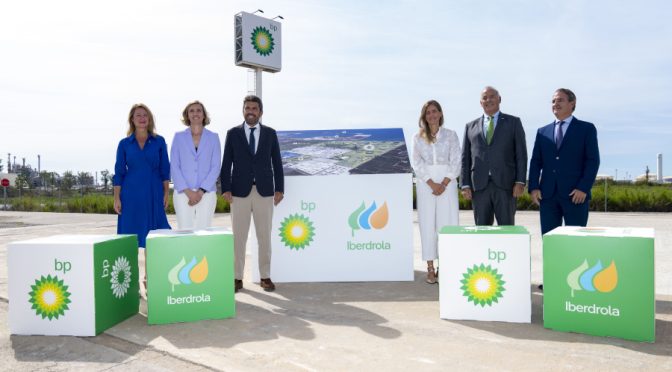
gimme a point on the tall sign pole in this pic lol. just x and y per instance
(258, 45)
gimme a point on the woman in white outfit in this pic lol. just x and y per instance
(195, 162)
(436, 162)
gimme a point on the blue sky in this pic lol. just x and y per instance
(71, 70)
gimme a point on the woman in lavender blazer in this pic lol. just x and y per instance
(195, 162)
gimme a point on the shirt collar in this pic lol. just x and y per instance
(495, 117)
(567, 120)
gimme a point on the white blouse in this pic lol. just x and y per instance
(445, 151)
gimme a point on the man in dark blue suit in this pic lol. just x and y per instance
(252, 182)
(564, 164)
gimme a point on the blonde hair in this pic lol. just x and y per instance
(185, 114)
(150, 126)
(425, 132)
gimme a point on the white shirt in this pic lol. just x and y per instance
(445, 151)
(257, 130)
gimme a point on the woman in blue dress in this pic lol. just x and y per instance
(141, 176)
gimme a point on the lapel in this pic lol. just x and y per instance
(479, 130)
(501, 121)
(189, 142)
(244, 138)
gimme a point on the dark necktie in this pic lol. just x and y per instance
(558, 140)
(251, 144)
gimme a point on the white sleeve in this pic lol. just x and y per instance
(418, 162)
(455, 156)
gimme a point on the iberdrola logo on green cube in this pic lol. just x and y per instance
(262, 41)
(373, 217)
(50, 297)
(482, 285)
(120, 279)
(593, 279)
(186, 274)
(297, 231)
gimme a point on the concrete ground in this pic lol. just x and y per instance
(337, 326)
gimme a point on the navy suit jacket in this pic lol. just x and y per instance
(241, 169)
(573, 166)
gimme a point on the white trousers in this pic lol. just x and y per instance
(194, 217)
(435, 212)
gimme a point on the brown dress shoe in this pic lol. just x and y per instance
(237, 285)
(267, 285)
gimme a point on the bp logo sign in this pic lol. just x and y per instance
(593, 279)
(188, 273)
(297, 231)
(373, 217)
(50, 297)
(120, 277)
(482, 285)
(262, 41)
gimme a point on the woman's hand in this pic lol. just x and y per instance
(437, 188)
(165, 201)
(117, 205)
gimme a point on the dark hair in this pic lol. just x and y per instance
(422, 122)
(571, 97)
(253, 98)
(185, 114)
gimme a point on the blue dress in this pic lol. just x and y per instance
(140, 173)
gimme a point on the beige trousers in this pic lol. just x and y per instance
(261, 209)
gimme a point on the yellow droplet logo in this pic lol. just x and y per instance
(607, 279)
(200, 272)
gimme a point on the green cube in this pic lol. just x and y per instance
(600, 281)
(189, 276)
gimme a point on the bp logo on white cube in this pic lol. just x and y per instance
(76, 285)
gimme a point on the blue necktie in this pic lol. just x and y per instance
(251, 144)
(560, 136)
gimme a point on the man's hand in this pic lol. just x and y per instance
(227, 196)
(277, 198)
(578, 196)
(518, 189)
(466, 193)
(535, 195)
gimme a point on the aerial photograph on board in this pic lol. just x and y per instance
(344, 151)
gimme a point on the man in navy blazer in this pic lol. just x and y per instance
(564, 164)
(252, 182)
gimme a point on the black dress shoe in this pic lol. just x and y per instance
(267, 285)
(237, 285)
(541, 287)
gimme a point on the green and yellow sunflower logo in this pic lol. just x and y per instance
(50, 297)
(297, 231)
(262, 41)
(482, 285)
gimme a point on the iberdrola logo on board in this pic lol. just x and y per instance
(184, 273)
(262, 41)
(120, 279)
(373, 217)
(297, 231)
(482, 285)
(593, 279)
(50, 297)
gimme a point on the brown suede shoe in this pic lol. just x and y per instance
(237, 285)
(267, 285)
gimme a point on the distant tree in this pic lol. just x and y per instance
(22, 181)
(84, 179)
(67, 181)
(105, 174)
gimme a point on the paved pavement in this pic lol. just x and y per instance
(337, 326)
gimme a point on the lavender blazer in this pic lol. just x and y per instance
(191, 169)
